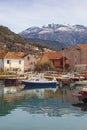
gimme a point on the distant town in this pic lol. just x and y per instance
(69, 59)
(17, 54)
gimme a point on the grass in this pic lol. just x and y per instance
(7, 73)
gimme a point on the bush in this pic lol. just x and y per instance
(44, 66)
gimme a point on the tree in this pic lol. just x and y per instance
(45, 66)
(67, 67)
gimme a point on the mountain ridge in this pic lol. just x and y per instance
(66, 35)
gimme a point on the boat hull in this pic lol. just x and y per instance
(34, 85)
(81, 96)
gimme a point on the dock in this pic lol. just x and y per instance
(79, 83)
(68, 80)
(63, 80)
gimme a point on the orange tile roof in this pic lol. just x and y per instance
(14, 55)
(83, 46)
(44, 58)
(51, 55)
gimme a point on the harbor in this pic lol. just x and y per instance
(43, 65)
(45, 107)
(49, 108)
(13, 83)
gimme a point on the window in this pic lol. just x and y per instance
(28, 58)
(19, 61)
(8, 62)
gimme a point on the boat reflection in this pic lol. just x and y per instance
(82, 106)
(49, 102)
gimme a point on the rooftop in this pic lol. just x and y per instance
(83, 46)
(14, 55)
(51, 55)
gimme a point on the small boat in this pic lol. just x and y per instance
(39, 82)
(82, 95)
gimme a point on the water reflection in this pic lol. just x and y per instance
(82, 106)
(49, 102)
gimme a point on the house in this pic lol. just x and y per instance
(17, 61)
(34, 48)
(77, 56)
(57, 58)
(14, 61)
(30, 60)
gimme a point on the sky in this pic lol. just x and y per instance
(19, 15)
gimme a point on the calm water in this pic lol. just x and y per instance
(44, 109)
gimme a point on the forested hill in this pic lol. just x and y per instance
(9, 38)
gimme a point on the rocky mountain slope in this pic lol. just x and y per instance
(65, 35)
(54, 45)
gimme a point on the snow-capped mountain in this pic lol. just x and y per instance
(65, 34)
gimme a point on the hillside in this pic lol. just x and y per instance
(66, 35)
(54, 45)
(9, 38)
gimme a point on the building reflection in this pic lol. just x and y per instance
(49, 102)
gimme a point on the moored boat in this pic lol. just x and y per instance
(39, 82)
(82, 95)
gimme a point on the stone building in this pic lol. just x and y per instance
(30, 60)
(77, 56)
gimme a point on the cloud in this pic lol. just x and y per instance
(19, 15)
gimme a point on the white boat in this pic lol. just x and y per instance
(39, 82)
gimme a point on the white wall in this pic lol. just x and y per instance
(14, 64)
(1, 64)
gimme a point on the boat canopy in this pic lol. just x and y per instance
(84, 89)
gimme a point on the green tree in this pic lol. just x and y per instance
(45, 66)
